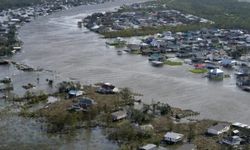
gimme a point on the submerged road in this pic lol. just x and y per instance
(54, 42)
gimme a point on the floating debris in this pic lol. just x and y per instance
(28, 86)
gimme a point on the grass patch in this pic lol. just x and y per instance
(198, 71)
(173, 63)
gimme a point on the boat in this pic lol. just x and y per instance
(157, 63)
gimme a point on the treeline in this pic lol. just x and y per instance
(153, 30)
(225, 13)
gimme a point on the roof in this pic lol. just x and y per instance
(148, 147)
(241, 125)
(119, 113)
(173, 135)
(86, 101)
(236, 131)
(75, 92)
(216, 71)
(219, 126)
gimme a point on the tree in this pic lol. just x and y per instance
(127, 95)
(191, 132)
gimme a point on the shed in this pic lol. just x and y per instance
(118, 115)
(173, 137)
(218, 129)
(75, 93)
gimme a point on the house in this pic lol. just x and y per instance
(107, 88)
(243, 76)
(75, 93)
(156, 57)
(199, 66)
(225, 62)
(216, 74)
(173, 137)
(149, 147)
(118, 115)
(218, 129)
(210, 65)
(155, 43)
(133, 47)
(234, 140)
(86, 102)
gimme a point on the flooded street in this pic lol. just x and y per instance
(55, 43)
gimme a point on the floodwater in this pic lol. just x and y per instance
(23, 133)
(55, 43)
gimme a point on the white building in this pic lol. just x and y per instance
(173, 137)
(218, 129)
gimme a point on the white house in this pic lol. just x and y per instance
(218, 129)
(173, 137)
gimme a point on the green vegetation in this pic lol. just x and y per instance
(225, 13)
(117, 43)
(7, 42)
(147, 125)
(30, 98)
(60, 119)
(153, 30)
(198, 71)
(172, 63)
